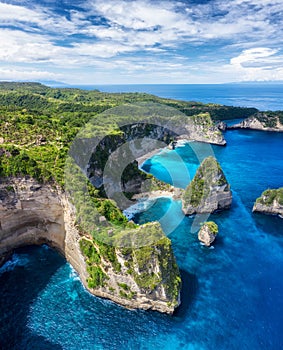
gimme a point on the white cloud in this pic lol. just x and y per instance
(23, 17)
(260, 63)
(149, 36)
(18, 73)
(257, 56)
(18, 46)
(138, 15)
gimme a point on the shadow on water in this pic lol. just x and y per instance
(271, 224)
(188, 294)
(32, 270)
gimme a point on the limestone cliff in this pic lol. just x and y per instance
(203, 129)
(147, 277)
(270, 202)
(30, 214)
(209, 190)
(261, 121)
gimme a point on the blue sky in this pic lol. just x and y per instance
(141, 41)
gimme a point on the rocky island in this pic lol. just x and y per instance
(38, 205)
(265, 121)
(209, 190)
(270, 202)
(208, 233)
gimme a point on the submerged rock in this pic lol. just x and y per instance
(208, 232)
(209, 190)
(270, 202)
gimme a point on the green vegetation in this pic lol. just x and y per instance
(89, 250)
(96, 276)
(145, 259)
(124, 286)
(109, 254)
(203, 119)
(270, 195)
(270, 119)
(212, 226)
(38, 123)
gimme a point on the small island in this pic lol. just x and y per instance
(208, 233)
(270, 202)
(209, 190)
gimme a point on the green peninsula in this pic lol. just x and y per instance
(116, 259)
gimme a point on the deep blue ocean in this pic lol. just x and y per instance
(232, 295)
(261, 96)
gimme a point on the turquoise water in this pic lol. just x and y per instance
(231, 297)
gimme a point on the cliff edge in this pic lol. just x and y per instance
(146, 277)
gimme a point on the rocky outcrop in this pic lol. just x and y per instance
(209, 190)
(261, 121)
(201, 128)
(222, 126)
(270, 202)
(146, 278)
(207, 233)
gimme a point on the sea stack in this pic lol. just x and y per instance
(207, 233)
(209, 190)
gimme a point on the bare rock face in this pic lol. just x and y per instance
(201, 128)
(222, 126)
(270, 202)
(207, 233)
(209, 190)
(34, 214)
(30, 214)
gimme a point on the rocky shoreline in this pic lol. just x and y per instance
(260, 122)
(35, 214)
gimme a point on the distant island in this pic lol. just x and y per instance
(270, 202)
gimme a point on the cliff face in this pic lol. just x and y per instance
(209, 190)
(270, 202)
(30, 214)
(146, 278)
(203, 129)
(261, 121)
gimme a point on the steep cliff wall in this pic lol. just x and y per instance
(30, 214)
(146, 278)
